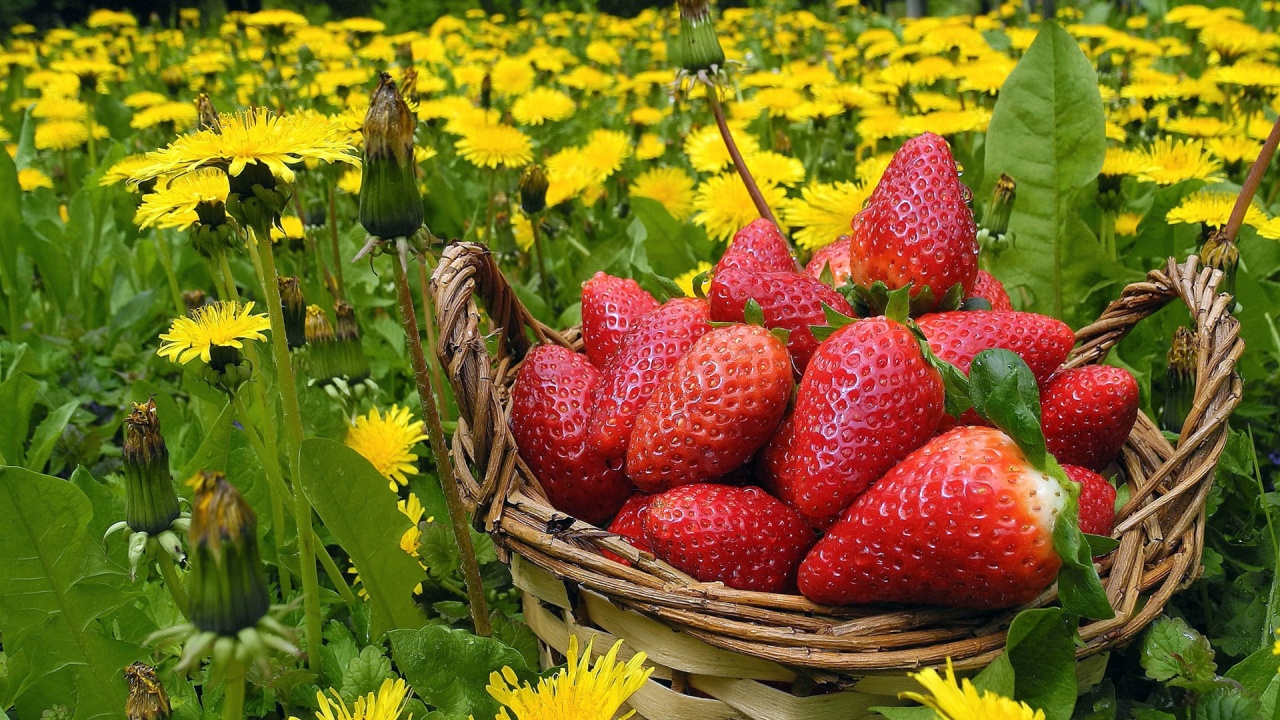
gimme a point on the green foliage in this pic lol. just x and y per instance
(1173, 652)
(352, 499)
(59, 590)
(449, 669)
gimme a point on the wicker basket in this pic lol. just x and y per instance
(725, 653)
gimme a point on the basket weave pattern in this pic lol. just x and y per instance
(1160, 528)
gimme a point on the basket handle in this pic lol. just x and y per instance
(465, 271)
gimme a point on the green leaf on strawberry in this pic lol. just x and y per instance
(752, 313)
(1004, 391)
(669, 286)
(835, 321)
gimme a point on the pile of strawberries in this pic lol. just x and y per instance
(813, 452)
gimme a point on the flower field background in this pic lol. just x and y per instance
(1127, 136)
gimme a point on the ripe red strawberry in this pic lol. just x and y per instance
(742, 537)
(987, 287)
(610, 307)
(1088, 413)
(629, 523)
(790, 301)
(550, 409)
(917, 226)
(964, 521)
(759, 247)
(720, 404)
(1041, 341)
(644, 357)
(1097, 500)
(867, 400)
(836, 255)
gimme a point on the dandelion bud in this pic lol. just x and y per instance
(294, 307)
(1221, 253)
(147, 698)
(321, 344)
(226, 587)
(390, 204)
(486, 92)
(194, 299)
(696, 48)
(150, 502)
(350, 354)
(533, 189)
(1179, 380)
(996, 218)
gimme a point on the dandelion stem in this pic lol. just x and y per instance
(428, 312)
(260, 250)
(233, 679)
(171, 580)
(1251, 183)
(435, 433)
(333, 242)
(534, 221)
(279, 491)
(166, 261)
(738, 163)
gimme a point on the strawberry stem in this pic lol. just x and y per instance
(1251, 183)
(738, 163)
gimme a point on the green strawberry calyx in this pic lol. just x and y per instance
(1003, 390)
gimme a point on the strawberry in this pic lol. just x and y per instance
(790, 301)
(629, 523)
(1097, 500)
(1041, 341)
(835, 255)
(964, 521)
(987, 287)
(1088, 413)
(720, 403)
(759, 247)
(550, 410)
(610, 306)
(867, 400)
(917, 226)
(644, 357)
(742, 537)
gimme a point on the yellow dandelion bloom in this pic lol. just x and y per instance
(645, 116)
(870, 171)
(31, 178)
(1119, 162)
(145, 99)
(960, 700)
(685, 280)
(495, 145)
(706, 149)
(650, 147)
(387, 704)
(290, 228)
(602, 52)
(669, 186)
(61, 135)
(350, 181)
(174, 204)
(606, 150)
(1173, 161)
(724, 206)
(569, 172)
(387, 441)
(580, 691)
(1234, 148)
(60, 108)
(180, 114)
(218, 324)
(123, 170)
(1212, 209)
(512, 76)
(1201, 127)
(522, 229)
(542, 104)
(776, 168)
(255, 137)
(1127, 224)
(1269, 229)
(275, 19)
(824, 212)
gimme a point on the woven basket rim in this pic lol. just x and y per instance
(1160, 529)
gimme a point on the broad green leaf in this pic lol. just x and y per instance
(516, 635)
(672, 247)
(353, 500)
(47, 434)
(1172, 650)
(15, 292)
(364, 673)
(212, 453)
(1047, 132)
(1041, 650)
(17, 397)
(1227, 703)
(449, 669)
(1004, 391)
(56, 600)
(338, 650)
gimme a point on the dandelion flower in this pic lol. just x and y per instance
(669, 186)
(1201, 127)
(1212, 209)
(685, 280)
(605, 151)
(494, 145)
(256, 137)
(645, 116)
(177, 203)
(1120, 162)
(31, 178)
(213, 326)
(579, 691)
(776, 168)
(387, 441)
(512, 76)
(1173, 161)
(650, 147)
(706, 149)
(824, 211)
(61, 135)
(960, 700)
(542, 104)
(1234, 148)
(724, 206)
(1127, 224)
(124, 170)
(60, 108)
(387, 704)
(179, 114)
